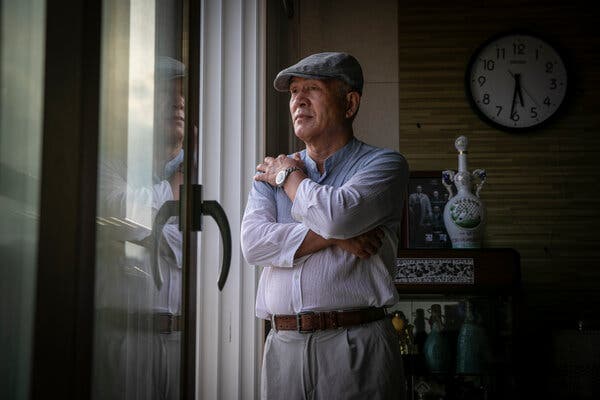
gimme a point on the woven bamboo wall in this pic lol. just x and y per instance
(543, 192)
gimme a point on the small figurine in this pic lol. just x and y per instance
(405, 335)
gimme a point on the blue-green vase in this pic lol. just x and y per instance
(473, 352)
(437, 351)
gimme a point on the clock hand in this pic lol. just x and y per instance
(512, 107)
(525, 90)
(530, 96)
(519, 91)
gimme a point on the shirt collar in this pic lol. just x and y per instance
(333, 160)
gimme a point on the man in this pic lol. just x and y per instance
(420, 215)
(324, 224)
(137, 320)
(437, 200)
(420, 207)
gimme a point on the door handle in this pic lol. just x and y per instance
(210, 208)
(213, 209)
(169, 209)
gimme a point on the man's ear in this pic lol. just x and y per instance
(352, 103)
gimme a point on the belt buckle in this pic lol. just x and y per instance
(170, 319)
(299, 322)
(333, 317)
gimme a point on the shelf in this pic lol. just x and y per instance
(457, 271)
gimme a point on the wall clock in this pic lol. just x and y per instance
(516, 81)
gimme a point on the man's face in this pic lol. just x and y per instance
(172, 109)
(316, 107)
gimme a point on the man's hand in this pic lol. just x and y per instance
(271, 166)
(176, 180)
(363, 246)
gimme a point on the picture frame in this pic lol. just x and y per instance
(423, 222)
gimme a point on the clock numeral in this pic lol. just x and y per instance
(516, 81)
(534, 113)
(488, 65)
(518, 49)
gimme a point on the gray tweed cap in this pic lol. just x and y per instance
(330, 65)
(168, 68)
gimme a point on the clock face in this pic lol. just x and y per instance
(516, 81)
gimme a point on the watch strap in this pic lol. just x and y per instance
(288, 172)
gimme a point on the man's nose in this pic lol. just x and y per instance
(179, 103)
(300, 99)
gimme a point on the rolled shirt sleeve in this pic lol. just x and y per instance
(265, 241)
(368, 199)
(138, 204)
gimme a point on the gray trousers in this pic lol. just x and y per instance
(361, 362)
(136, 365)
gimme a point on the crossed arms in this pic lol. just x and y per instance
(350, 216)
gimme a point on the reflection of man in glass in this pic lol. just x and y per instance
(170, 119)
(419, 207)
(437, 219)
(137, 323)
(437, 200)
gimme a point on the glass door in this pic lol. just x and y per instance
(22, 57)
(148, 202)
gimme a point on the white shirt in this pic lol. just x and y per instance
(362, 187)
(125, 277)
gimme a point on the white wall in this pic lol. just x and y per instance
(367, 30)
(231, 141)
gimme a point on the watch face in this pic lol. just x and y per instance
(516, 81)
(280, 177)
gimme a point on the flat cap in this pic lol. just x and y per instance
(168, 68)
(331, 65)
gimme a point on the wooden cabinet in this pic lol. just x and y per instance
(477, 291)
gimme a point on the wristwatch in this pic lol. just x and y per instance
(283, 174)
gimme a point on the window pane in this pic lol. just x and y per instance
(138, 278)
(22, 32)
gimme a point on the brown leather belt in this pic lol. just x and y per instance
(160, 322)
(168, 323)
(309, 321)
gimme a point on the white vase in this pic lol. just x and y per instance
(464, 213)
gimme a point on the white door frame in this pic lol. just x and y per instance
(231, 139)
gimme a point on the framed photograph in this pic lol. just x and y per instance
(424, 212)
